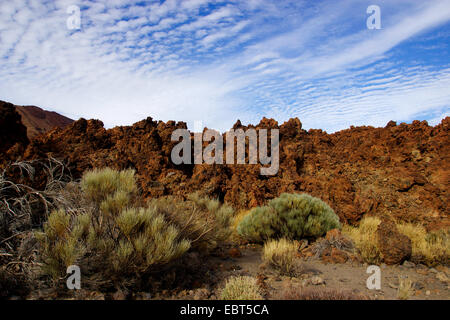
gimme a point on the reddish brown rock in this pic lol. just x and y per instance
(333, 234)
(394, 246)
(13, 134)
(401, 169)
(335, 255)
(235, 253)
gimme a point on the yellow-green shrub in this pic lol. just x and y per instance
(241, 288)
(113, 241)
(60, 247)
(405, 289)
(429, 248)
(365, 239)
(281, 254)
(291, 216)
(98, 184)
(204, 221)
(237, 219)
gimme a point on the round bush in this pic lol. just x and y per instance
(291, 216)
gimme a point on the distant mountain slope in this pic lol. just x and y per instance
(39, 121)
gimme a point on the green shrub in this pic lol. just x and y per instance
(241, 288)
(113, 241)
(291, 216)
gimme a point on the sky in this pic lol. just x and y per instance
(213, 62)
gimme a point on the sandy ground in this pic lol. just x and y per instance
(427, 283)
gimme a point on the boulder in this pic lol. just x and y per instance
(395, 247)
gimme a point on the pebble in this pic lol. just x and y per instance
(418, 285)
(316, 280)
(408, 264)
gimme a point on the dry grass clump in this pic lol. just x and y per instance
(113, 241)
(300, 293)
(365, 239)
(205, 222)
(405, 289)
(428, 248)
(281, 254)
(241, 288)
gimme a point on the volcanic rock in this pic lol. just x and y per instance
(358, 171)
(394, 246)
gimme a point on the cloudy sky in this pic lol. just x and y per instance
(219, 61)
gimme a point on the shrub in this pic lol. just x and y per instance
(115, 240)
(365, 239)
(405, 289)
(99, 184)
(291, 216)
(237, 219)
(204, 221)
(281, 254)
(241, 288)
(29, 191)
(428, 248)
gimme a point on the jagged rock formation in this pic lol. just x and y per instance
(401, 169)
(13, 134)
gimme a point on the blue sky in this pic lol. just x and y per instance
(218, 61)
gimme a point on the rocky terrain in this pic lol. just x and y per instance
(401, 169)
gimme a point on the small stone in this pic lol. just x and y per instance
(201, 294)
(316, 280)
(408, 264)
(442, 277)
(428, 292)
(333, 234)
(119, 295)
(235, 253)
(418, 285)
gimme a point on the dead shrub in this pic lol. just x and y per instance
(29, 190)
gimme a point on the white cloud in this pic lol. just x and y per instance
(241, 59)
